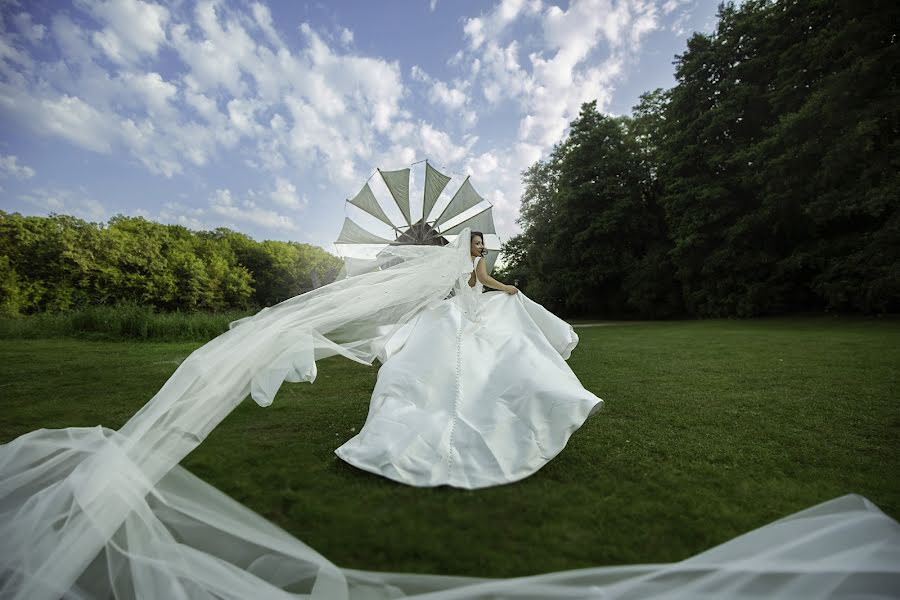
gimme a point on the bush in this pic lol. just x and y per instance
(119, 322)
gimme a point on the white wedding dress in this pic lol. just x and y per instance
(88, 512)
(474, 392)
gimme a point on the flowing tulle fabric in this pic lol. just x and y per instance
(68, 497)
(97, 513)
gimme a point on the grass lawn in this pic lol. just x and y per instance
(710, 429)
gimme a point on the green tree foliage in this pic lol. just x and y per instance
(280, 270)
(38, 271)
(765, 181)
(58, 263)
(10, 291)
(594, 237)
(835, 149)
(523, 254)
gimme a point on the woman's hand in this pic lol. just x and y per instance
(511, 289)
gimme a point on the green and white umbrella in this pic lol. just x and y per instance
(448, 205)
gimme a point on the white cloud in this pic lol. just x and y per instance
(573, 54)
(209, 218)
(66, 202)
(74, 45)
(155, 93)
(418, 74)
(564, 69)
(679, 24)
(439, 145)
(14, 64)
(223, 52)
(34, 33)
(497, 176)
(501, 74)
(346, 36)
(133, 28)
(563, 81)
(187, 216)
(670, 5)
(242, 115)
(145, 140)
(492, 25)
(285, 195)
(645, 21)
(373, 86)
(224, 205)
(204, 105)
(453, 97)
(330, 106)
(264, 20)
(10, 167)
(474, 30)
(75, 120)
(238, 87)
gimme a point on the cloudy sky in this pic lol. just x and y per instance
(265, 117)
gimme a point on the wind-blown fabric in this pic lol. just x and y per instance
(97, 513)
(69, 496)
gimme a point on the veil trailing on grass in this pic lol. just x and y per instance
(101, 513)
(97, 513)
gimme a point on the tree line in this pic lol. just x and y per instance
(765, 181)
(61, 263)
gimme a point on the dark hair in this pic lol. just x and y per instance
(481, 235)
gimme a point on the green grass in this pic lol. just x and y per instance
(710, 429)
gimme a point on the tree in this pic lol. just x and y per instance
(594, 238)
(60, 262)
(780, 160)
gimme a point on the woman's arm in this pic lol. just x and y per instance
(482, 275)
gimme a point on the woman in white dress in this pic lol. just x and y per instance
(474, 392)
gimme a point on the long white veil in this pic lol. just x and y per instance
(97, 513)
(101, 513)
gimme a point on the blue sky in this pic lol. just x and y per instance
(265, 117)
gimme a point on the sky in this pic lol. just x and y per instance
(264, 117)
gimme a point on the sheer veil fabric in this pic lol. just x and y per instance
(98, 513)
(67, 495)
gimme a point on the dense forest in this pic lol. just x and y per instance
(60, 263)
(765, 181)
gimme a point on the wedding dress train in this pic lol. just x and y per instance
(474, 392)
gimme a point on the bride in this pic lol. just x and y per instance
(475, 391)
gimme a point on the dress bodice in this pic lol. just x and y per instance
(478, 287)
(466, 296)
